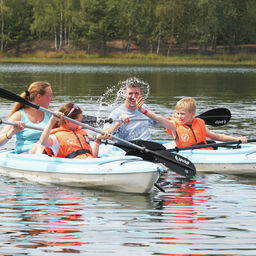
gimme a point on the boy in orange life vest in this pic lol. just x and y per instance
(184, 127)
(68, 139)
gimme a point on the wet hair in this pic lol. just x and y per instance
(30, 94)
(66, 109)
(133, 82)
(188, 104)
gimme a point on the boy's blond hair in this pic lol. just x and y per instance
(187, 104)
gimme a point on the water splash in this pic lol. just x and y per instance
(113, 96)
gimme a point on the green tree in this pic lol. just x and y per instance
(16, 19)
(53, 19)
(232, 14)
(208, 23)
(249, 24)
(4, 11)
(138, 22)
(167, 17)
(99, 21)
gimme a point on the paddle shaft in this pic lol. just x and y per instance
(214, 117)
(110, 120)
(220, 144)
(202, 116)
(26, 126)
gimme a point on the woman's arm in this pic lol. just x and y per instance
(9, 130)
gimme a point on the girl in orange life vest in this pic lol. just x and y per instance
(68, 139)
(184, 127)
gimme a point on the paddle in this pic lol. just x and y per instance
(26, 126)
(174, 162)
(94, 121)
(144, 143)
(214, 117)
(218, 144)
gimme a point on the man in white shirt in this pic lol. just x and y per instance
(130, 130)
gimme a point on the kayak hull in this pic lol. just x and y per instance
(241, 169)
(123, 174)
(227, 160)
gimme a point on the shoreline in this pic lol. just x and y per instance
(135, 59)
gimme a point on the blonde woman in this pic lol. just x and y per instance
(39, 93)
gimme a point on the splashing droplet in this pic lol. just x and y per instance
(113, 96)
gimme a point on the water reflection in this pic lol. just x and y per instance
(182, 212)
(75, 68)
(63, 220)
(186, 220)
(43, 219)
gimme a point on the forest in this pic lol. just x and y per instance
(149, 26)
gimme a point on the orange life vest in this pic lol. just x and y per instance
(189, 135)
(73, 144)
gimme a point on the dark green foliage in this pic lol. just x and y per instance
(151, 24)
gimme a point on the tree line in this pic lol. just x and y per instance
(151, 24)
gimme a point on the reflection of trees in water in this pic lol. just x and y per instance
(179, 194)
(182, 191)
(61, 218)
(46, 219)
(179, 208)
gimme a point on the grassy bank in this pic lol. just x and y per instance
(128, 59)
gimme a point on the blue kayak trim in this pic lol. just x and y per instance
(107, 165)
(244, 155)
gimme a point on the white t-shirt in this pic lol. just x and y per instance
(135, 130)
(55, 144)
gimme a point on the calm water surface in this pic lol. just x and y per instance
(212, 214)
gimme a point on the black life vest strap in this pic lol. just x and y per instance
(78, 152)
(190, 126)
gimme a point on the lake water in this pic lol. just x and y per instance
(212, 214)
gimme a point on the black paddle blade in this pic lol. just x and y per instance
(13, 97)
(145, 156)
(149, 144)
(143, 143)
(174, 162)
(177, 163)
(92, 121)
(216, 116)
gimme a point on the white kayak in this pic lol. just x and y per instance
(226, 160)
(116, 173)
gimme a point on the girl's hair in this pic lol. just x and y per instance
(30, 94)
(69, 109)
(188, 104)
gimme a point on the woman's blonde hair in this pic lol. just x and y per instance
(30, 94)
(188, 104)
